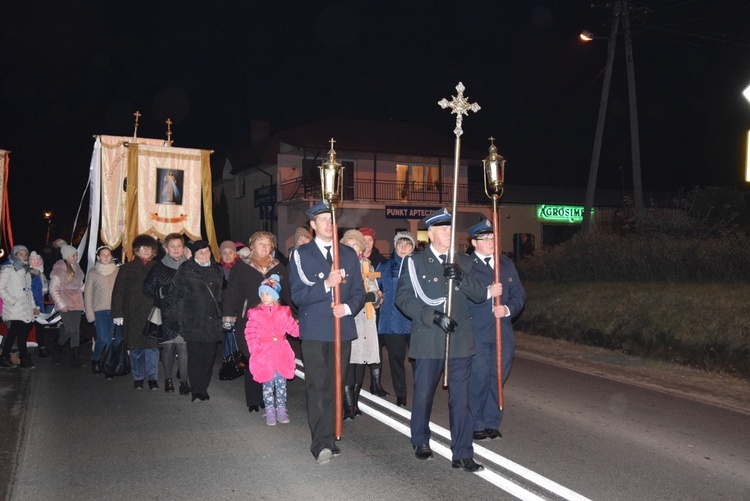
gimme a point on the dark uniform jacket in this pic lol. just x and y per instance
(308, 270)
(514, 297)
(422, 290)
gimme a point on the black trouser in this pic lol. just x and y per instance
(17, 333)
(200, 365)
(397, 345)
(320, 387)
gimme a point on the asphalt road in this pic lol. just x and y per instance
(567, 435)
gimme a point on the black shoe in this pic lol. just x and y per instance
(107, 377)
(5, 363)
(75, 361)
(253, 408)
(335, 450)
(168, 386)
(401, 401)
(481, 435)
(467, 465)
(184, 388)
(493, 434)
(198, 397)
(95, 367)
(375, 387)
(423, 452)
(153, 385)
(324, 455)
(347, 397)
(138, 385)
(26, 363)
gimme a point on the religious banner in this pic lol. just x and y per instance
(113, 156)
(165, 186)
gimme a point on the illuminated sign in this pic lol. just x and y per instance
(408, 212)
(561, 213)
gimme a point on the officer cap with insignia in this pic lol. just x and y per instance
(440, 217)
(483, 227)
(319, 208)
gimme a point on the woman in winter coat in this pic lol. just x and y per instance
(39, 288)
(229, 258)
(131, 307)
(242, 294)
(18, 306)
(393, 326)
(271, 356)
(97, 299)
(66, 290)
(366, 348)
(158, 284)
(196, 303)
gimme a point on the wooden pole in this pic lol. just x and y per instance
(336, 325)
(497, 301)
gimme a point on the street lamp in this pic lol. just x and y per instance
(48, 217)
(331, 188)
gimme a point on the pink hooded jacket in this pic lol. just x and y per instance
(270, 351)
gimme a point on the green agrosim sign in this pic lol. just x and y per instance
(561, 213)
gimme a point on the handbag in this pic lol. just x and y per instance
(153, 327)
(115, 360)
(229, 368)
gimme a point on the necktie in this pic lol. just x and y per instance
(328, 254)
(443, 257)
(487, 261)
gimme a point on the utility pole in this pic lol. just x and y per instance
(620, 15)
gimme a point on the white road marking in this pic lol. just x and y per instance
(492, 477)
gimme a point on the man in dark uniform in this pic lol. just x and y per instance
(312, 280)
(421, 295)
(483, 396)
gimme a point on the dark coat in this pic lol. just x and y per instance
(131, 304)
(195, 302)
(241, 294)
(421, 281)
(376, 257)
(391, 320)
(308, 270)
(158, 284)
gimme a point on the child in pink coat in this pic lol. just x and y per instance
(271, 356)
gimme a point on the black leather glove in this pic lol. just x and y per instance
(453, 271)
(371, 297)
(444, 322)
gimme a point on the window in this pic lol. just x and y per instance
(416, 178)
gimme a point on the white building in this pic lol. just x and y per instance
(395, 174)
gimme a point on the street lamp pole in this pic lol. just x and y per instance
(620, 16)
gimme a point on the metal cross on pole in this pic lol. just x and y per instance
(459, 106)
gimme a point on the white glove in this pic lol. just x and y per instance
(117, 321)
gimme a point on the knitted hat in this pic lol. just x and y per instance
(244, 252)
(59, 243)
(404, 235)
(67, 251)
(368, 232)
(227, 244)
(35, 261)
(271, 286)
(17, 248)
(301, 232)
(356, 235)
(238, 245)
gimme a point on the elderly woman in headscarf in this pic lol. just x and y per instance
(18, 306)
(365, 349)
(229, 258)
(242, 294)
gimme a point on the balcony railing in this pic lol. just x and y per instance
(386, 191)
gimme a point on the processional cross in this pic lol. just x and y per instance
(459, 106)
(169, 132)
(137, 116)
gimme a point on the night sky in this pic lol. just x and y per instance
(72, 69)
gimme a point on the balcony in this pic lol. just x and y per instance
(387, 191)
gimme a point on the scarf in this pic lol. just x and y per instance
(105, 269)
(19, 264)
(263, 264)
(171, 263)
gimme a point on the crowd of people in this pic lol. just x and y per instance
(255, 298)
